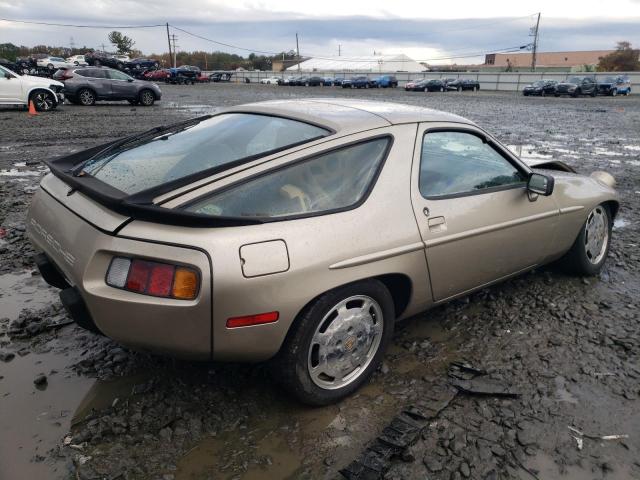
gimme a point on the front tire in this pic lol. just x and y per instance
(336, 343)
(43, 101)
(589, 252)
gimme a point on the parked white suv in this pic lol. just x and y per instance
(19, 90)
(53, 63)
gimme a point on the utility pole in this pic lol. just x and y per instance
(169, 41)
(205, 61)
(339, 49)
(102, 45)
(175, 48)
(535, 44)
(298, 51)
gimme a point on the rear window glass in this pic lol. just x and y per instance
(328, 182)
(223, 140)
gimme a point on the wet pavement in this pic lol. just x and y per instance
(569, 346)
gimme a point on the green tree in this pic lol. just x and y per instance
(9, 51)
(623, 59)
(123, 43)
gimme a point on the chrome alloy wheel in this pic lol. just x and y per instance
(596, 235)
(43, 101)
(147, 98)
(345, 342)
(87, 97)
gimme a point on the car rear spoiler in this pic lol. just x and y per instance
(138, 206)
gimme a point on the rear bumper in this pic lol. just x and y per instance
(77, 258)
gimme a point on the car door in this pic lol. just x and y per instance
(10, 87)
(97, 80)
(122, 85)
(475, 216)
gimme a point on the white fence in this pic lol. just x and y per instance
(488, 80)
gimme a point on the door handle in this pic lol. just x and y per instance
(437, 224)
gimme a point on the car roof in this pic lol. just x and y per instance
(349, 115)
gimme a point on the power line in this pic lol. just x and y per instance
(222, 43)
(80, 26)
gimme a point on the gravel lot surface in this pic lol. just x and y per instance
(564, 350)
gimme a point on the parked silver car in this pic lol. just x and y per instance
(86, 85)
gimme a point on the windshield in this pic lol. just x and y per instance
(610, 80)
(195, 147)
(6, 70)
(539, 83)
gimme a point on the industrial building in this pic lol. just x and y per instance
(555, 60)
(370, 63)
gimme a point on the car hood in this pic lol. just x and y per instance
(45, 82)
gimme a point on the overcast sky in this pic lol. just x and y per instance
(429, 30)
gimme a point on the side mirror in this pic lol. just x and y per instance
(8, 76)
(540, 184)
(129, 80)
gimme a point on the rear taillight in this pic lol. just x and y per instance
(153, 278)
(63, 75)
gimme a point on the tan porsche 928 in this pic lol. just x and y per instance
(300, 231)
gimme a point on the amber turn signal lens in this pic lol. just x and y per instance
(185, 284)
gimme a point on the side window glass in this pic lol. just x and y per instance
(115, 75)
(97, 73)
(457, 162)
(328, 182)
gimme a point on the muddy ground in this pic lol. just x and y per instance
(75, 405)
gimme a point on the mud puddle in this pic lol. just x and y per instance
(286, 439)
(33, 418)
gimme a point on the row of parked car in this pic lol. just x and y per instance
(442, 85)
(383, 81)
(580, 85)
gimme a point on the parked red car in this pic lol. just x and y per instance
(156, 75)
(203, 78)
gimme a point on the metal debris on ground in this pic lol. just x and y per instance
(403, 431)
(484, 386)
(471, 380)
(579, 434)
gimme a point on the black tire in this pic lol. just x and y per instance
(459, 89)
(577, 260)
(50, 67)
(576, 93)
(594, 93)
(146, 97)
(43, 101)
(290, 367)
(556, 94)
(86, 97)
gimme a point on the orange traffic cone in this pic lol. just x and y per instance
(32, 108)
